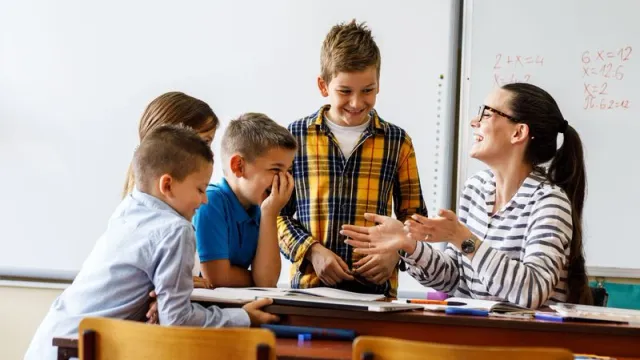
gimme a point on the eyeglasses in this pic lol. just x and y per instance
(482, 109)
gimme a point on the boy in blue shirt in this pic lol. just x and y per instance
(236, 229)
(149, 244)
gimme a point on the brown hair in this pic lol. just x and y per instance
(535, 107)
(348, 47)
(176, 150)
(173, 108)
(253, 134)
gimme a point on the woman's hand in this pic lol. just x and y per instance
(387, 236)
(445, 227)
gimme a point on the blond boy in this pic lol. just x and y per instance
(349, 162)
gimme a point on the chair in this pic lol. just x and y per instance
(103, 338)
(384, 348)
(600, 296)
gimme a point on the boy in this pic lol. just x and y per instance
(349, 162)
(237, 228)
(149, 243)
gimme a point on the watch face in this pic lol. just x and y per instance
(468, 246)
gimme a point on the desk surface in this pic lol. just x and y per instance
(439, 318)
(603, 339)
(614, 340)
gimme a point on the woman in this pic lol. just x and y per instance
(518, 236)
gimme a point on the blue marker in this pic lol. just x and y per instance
(548, 317)
(465, 311)
(308, 332)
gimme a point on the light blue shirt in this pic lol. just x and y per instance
(147, 245)
(225, 229)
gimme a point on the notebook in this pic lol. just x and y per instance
(495, 307)
(342, 304)
(574, 312)
(245, 295)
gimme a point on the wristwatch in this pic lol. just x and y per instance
(468, 246)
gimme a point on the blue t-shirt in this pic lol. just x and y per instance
(225, 229)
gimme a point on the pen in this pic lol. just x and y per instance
(435, 302)
(465, 311)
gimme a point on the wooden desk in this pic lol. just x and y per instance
(286, 349)
(603, 339)
(618, 341)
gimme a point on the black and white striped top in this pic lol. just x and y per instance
(523, 257)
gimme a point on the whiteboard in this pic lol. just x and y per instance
(76, 76)
(586, 54)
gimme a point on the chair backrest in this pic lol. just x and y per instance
(600, 296)
(102, 338)
(383, 348)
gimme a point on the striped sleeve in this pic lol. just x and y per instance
(530, 282)
(433, 268)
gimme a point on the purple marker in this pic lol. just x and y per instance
(437, 295)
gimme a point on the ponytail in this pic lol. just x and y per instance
(568, 172)
(535, 107)
(129, 182)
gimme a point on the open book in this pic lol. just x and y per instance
(342, 304)
(572, 312)
(244, 295)
(495, 307)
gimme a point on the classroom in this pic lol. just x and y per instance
(489, 142)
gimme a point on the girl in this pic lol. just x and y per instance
(175, 108)
(518, 236)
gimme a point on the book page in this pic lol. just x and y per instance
(233, 295)
(597, 313)
(475, 303)
(337, 294)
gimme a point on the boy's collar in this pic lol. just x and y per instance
(318, 120)
(151, 201)
(242, 214)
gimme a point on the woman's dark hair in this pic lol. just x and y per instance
(534, 107)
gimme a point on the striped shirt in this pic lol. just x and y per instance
(332, 190)
(523, 257)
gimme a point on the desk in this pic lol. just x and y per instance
(286, 349)
(603, 339)
(618, 341)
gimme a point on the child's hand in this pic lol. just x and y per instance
(329, 267)
(152, 314)
(377, 268)
(200, 282)
(281, 189)
(256, 315)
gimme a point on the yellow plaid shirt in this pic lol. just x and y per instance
(331, 191)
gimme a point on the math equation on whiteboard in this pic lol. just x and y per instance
(602, 72)
(511, 68)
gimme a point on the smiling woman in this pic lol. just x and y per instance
(518, 233)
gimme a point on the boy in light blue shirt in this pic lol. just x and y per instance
(236, 229)
(149, 244)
